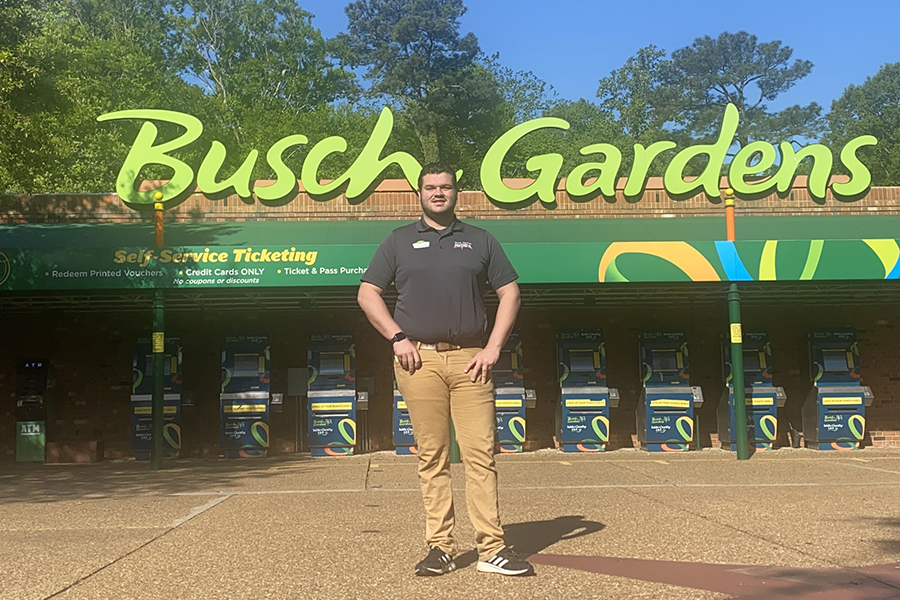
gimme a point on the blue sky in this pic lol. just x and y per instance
(572, 44)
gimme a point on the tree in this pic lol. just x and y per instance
(417, 60)
(702, 78)
(872, 108)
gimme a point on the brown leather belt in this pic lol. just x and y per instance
(440, 346)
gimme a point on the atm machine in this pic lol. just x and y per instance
(665, 413)
(834, 414)
(404, 441)
(244, 400)
(35, 387)
(585, 398)
(331, 359)
(762, 399)
(142, 398)
(509, 396)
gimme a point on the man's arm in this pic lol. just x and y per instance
(371, 301)
(484, 361)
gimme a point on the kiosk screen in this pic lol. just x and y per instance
(504, 363)
(331, 364)
(752, 361)
(665, 360)
(246, 365)
(835, 360)
(581, 360)
(167, 369)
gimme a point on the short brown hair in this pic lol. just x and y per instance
(435, 168)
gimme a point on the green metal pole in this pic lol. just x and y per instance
(737, 372)
(159, 356)
(454, 446)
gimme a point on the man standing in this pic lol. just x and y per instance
(440, 266)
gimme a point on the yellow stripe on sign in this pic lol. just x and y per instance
(401, 405)
(835, 400)
(148, 410)
(508, 403)
(670, 403)
(761, 401)
(579, 403)
(244, 408)
(332, 405)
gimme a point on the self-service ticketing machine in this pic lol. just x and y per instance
(244, 400)
(665, 413)
(142, 398)
(35, 386)
(834, 414)
(585, 398)
(509, 396)
(762, 399)
(404, 441)
(331, 359)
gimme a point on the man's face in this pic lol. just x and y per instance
(438, 195)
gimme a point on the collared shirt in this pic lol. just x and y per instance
(440, 277)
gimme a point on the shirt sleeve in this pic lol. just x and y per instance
(500, 271)
(383, 266)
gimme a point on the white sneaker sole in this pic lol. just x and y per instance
(486, 567)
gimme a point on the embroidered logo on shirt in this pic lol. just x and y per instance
(467, 245)
(421, 244)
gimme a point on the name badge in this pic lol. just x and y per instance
(421, 244)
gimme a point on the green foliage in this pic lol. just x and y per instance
(872, 108)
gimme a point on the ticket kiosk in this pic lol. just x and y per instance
(762, 399)
(509, 396)
(331, 359)
(665, 413)
(404, 441)
(244, 399)
(834, 414)
(35, 386)
(585, 398)
(142, 398)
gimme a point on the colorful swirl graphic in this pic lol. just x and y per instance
(589, 447)
(172, 435)
(685, 427)
(845, 446)
(514, 423)
(769, 426)
(331, 450)
(857, 425)
(674, 447)
(600, 425)
(888, 253)
(139, 377)
(227, 378)
(260, 432)
(347, 428)
(680, 254)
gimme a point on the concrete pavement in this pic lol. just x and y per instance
(626, 524)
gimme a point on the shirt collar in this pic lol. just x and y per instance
(422, 226)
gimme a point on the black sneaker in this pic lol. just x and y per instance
(436, 563)
(506, 562)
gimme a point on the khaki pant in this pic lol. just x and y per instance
(432, 394)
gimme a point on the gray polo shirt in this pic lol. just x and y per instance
(440, 277)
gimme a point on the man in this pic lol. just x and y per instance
(440, 266)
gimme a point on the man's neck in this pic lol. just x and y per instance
(444, 222)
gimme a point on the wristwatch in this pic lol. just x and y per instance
(398, 337)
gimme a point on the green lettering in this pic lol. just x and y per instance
(143, 153)
(674, 181)
(548, 165)
(285, 179)
(817, 182)
(643, 157)
(212, 164)
(860, 177)
(605, 182)
(367, 167)
(741, 168)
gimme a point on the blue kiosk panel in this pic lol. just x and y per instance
(834, 413)
(665, 413)
(509, 396)
(244, 397)
(142, 398)
(331, 360)
(404, 441)
(585, 398)
(762, 399)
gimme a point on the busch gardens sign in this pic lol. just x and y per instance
(583, 182)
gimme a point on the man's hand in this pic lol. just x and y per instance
(407, 355)
(482, 363)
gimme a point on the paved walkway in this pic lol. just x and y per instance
(793, 524)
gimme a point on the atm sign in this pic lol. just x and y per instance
(326, 406)
(670, 403)
(584, 403)
(835, 400)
